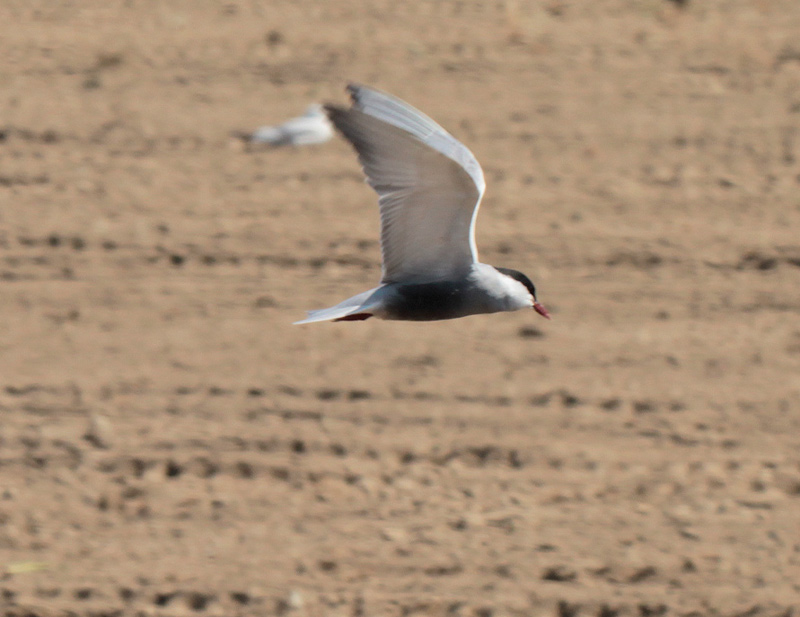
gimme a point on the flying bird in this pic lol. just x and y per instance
(429, 189)
(313, 127)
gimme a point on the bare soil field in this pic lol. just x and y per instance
(171, 445)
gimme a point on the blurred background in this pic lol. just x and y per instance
(171, 445)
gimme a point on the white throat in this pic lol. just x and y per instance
(505, 289)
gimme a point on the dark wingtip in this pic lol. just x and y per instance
(333, 111)
(354, 89)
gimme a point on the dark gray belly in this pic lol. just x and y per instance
(435, 301)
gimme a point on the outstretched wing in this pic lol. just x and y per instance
(429, 186)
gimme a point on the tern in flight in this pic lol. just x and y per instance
(429, 188)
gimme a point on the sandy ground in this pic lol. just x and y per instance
(170, 445)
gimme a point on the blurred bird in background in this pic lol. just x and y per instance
(313, 127)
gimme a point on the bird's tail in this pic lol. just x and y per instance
(353, 309)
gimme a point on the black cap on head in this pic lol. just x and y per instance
(518, 276)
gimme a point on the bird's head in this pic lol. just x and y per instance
(521, 278)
